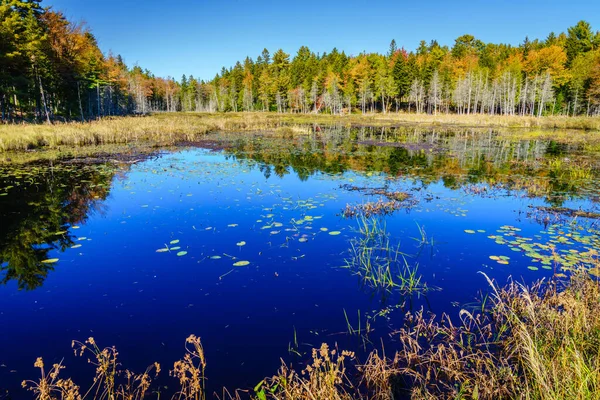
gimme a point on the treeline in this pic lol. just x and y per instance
(558, 75)
(52, 68)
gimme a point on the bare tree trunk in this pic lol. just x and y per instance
(43, 99)
(98, 97)
(79, 98)
(587, 112)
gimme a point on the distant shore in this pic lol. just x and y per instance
(172, 128)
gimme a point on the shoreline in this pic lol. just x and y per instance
(163, 129)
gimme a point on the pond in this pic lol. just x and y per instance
(258, 243)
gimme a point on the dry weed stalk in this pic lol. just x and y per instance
(324, 378)
(50, 386)
(104, 386)
(190, 371)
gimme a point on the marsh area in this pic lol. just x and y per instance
(246, 240)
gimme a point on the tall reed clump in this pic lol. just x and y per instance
(539, 342)
(554, 338)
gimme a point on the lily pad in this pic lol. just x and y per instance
(181, 253)
(241, 263)
(50, 261)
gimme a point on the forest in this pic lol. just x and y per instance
(53, 69)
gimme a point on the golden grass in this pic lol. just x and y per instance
(498, 121)
(165, 129)
(539, 342)
(555, 337)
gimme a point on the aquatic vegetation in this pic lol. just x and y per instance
(372, 208)
(241, 263)
(381, 264)
(566, 247)
(394, 196)
(423, 239)
(568, 212)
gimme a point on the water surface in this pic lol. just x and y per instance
(232, 240)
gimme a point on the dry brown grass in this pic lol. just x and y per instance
(539, 342)
(165, 129)
(504, 121)
(324, 378)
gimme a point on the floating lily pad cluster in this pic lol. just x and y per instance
(173, 246)
(562, 247)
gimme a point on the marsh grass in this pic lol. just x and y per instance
(566, 169)
(160, 129)
(110, 382)
(391, 119)
(554, 337)
(190, 371)
(538, 342)
(171, 128)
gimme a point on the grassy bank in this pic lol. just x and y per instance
(473, 120)
(541, 342)
(167, 129)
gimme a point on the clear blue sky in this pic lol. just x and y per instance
(199, 37)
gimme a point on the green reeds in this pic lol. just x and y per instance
(379, 263)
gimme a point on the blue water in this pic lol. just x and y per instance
(117, 288)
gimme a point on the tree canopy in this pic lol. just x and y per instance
(52, 68)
